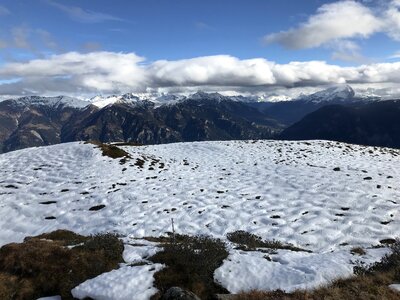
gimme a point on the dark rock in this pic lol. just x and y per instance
(48, 202)
(97, 207)
(225, 297)
(388, 241)
(176, 293)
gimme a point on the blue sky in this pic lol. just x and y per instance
(170, 30)
(277, 31)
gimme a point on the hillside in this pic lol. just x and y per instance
(41, 121)
(324, 197)
(147, 119)
(375, 124)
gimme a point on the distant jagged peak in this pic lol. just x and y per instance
(339, 92)
(200, 95)
(218, 97)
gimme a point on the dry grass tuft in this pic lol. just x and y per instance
(44, 266)
(112, 151)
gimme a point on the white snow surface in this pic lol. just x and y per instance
(136, 253)
(125, 283)
(395, 286)
(288, 270)
(101, 102)
(280, 190)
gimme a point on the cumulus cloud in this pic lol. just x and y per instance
(110, 72)
(338, 26)
(96, 71)
(220, 70)
(334, 21)
(392, 20)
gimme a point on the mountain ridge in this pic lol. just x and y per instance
(35, 121)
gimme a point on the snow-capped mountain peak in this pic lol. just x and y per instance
(334, 93)
(101, 101)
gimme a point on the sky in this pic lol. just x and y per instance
(84, 48)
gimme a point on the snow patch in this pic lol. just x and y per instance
(287, 270)
(126, 283)
(395, 286)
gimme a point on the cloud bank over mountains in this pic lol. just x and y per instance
(338, 26)
(110, 72)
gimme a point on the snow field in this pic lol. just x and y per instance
(326, 197)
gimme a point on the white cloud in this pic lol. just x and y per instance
(202, 26)
(96, 71)
(346, 50)
(395, 55)
(392, 20)
(334, 21)
(339, 25)
(91, 46)
(110, 72)
(219, 70)
(4, 11)
(20, 37)
(46, 38)
(81, 15)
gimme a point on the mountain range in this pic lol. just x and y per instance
(36, 121)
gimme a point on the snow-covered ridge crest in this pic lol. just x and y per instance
(135, 99)
(164, 99)
(57, 101)
(336, 93)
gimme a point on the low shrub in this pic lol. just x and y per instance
(250, 242)
(191, 262)
(357, 251)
